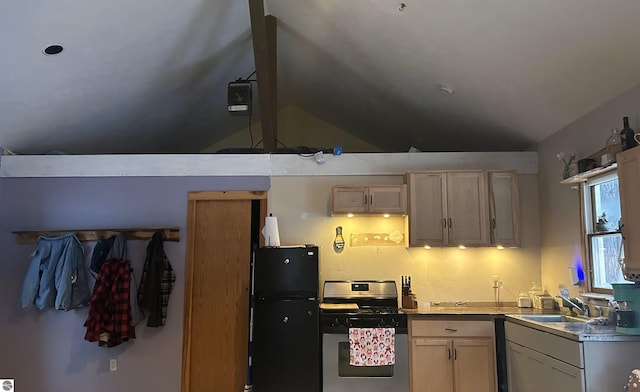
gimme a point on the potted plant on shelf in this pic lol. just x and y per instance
(570, 167)
(601, 224)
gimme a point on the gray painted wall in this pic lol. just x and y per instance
(559, 204)
(44, 351)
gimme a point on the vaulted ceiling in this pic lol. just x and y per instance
(151, 76)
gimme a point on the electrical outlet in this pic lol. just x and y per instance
(113, 365)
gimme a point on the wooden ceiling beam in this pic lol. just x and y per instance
(263, 32)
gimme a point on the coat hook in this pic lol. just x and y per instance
(402, 6)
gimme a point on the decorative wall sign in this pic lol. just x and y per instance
(377, 239)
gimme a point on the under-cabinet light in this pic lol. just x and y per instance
(427, 247)
(349, 215)
(500, 247)
(462, 247)
(386, 215)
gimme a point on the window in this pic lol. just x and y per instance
(603, 240)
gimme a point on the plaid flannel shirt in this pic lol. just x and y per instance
(109, 321)
(157, 282)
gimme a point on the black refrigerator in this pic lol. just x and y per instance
(286, 335)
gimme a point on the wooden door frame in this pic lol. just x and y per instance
(193, 198)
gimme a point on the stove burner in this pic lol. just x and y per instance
(377, 306)
(384, 317)
(380, 310)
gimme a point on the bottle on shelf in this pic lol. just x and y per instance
(628, 141)
(613, 147)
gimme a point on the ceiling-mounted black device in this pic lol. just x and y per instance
(239, 97)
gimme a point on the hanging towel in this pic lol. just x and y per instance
(372, 346)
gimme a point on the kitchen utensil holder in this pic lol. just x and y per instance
(409, 301)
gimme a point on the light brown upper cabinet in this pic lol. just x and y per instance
(448, 208)
(504, 203)
(628, 181)
(379, 199)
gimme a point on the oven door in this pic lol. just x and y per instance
(339, 376)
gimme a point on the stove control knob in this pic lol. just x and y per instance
(285, 319)
(335, 322)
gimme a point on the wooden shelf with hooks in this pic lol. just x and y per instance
(85, 235)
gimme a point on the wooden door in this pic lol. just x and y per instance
(467, 208)
(427, 203)
(431, 368)
(474, 365)
(216, 314)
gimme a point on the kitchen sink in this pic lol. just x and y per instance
(552, 318)
(572, 327)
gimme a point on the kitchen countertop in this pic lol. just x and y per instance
(579, 331)
(474, 308)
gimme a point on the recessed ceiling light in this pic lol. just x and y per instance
(52, 50)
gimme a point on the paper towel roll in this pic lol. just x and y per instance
(270, 232)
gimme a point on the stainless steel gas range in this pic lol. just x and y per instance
(362, 304)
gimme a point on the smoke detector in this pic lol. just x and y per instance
(445, 89)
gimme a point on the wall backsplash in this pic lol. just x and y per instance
(438, 274)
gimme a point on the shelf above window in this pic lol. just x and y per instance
(585, 176)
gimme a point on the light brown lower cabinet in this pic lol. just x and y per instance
(452, 356)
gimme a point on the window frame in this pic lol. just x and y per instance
(587, 228)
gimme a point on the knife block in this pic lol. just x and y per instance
(409, 301)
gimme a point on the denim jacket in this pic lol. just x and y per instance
(57, 275)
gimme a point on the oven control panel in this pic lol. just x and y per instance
(342, 322)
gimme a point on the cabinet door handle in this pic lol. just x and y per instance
(455, 354)
(451, 330)
(448, 353)
(370, 200)
(444, 222)
(365, 199)
(493, 223)
(450, 223)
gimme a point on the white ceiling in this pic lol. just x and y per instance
(151, 76)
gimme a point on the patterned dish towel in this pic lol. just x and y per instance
(372, 346)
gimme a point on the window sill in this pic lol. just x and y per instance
(597, 297)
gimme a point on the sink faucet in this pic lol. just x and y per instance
(580, 305)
